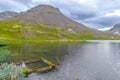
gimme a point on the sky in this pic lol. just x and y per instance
(98, 14)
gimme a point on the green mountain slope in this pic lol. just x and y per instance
(45, 22)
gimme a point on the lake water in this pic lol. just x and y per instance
(93, 60)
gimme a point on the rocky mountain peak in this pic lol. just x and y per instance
(45, 9)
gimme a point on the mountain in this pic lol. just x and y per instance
(47, 22)
(115, 29)
(7, 14)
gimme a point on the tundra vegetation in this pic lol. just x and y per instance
(8, 71)
(15, 31)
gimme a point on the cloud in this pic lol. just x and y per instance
(94, 13)
(103, 21)
(9, 5)
(82, 14)
(26, 3)
(113, 13)
(105, 29)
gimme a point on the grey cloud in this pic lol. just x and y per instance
(82, 14)
(27, 3)
(104, 21)
(108, 5)
(9, 5)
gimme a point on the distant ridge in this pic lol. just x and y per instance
(7, 14)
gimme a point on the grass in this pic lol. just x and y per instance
(78, 79)
(15, 31)
(8, 71)
(4, 43)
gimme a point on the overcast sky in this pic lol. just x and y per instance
(93, 13)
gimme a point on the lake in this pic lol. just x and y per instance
(92, 60)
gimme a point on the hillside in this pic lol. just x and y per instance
(47, 23)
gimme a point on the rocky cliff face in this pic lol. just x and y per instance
(7, 14)
(115, 29)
